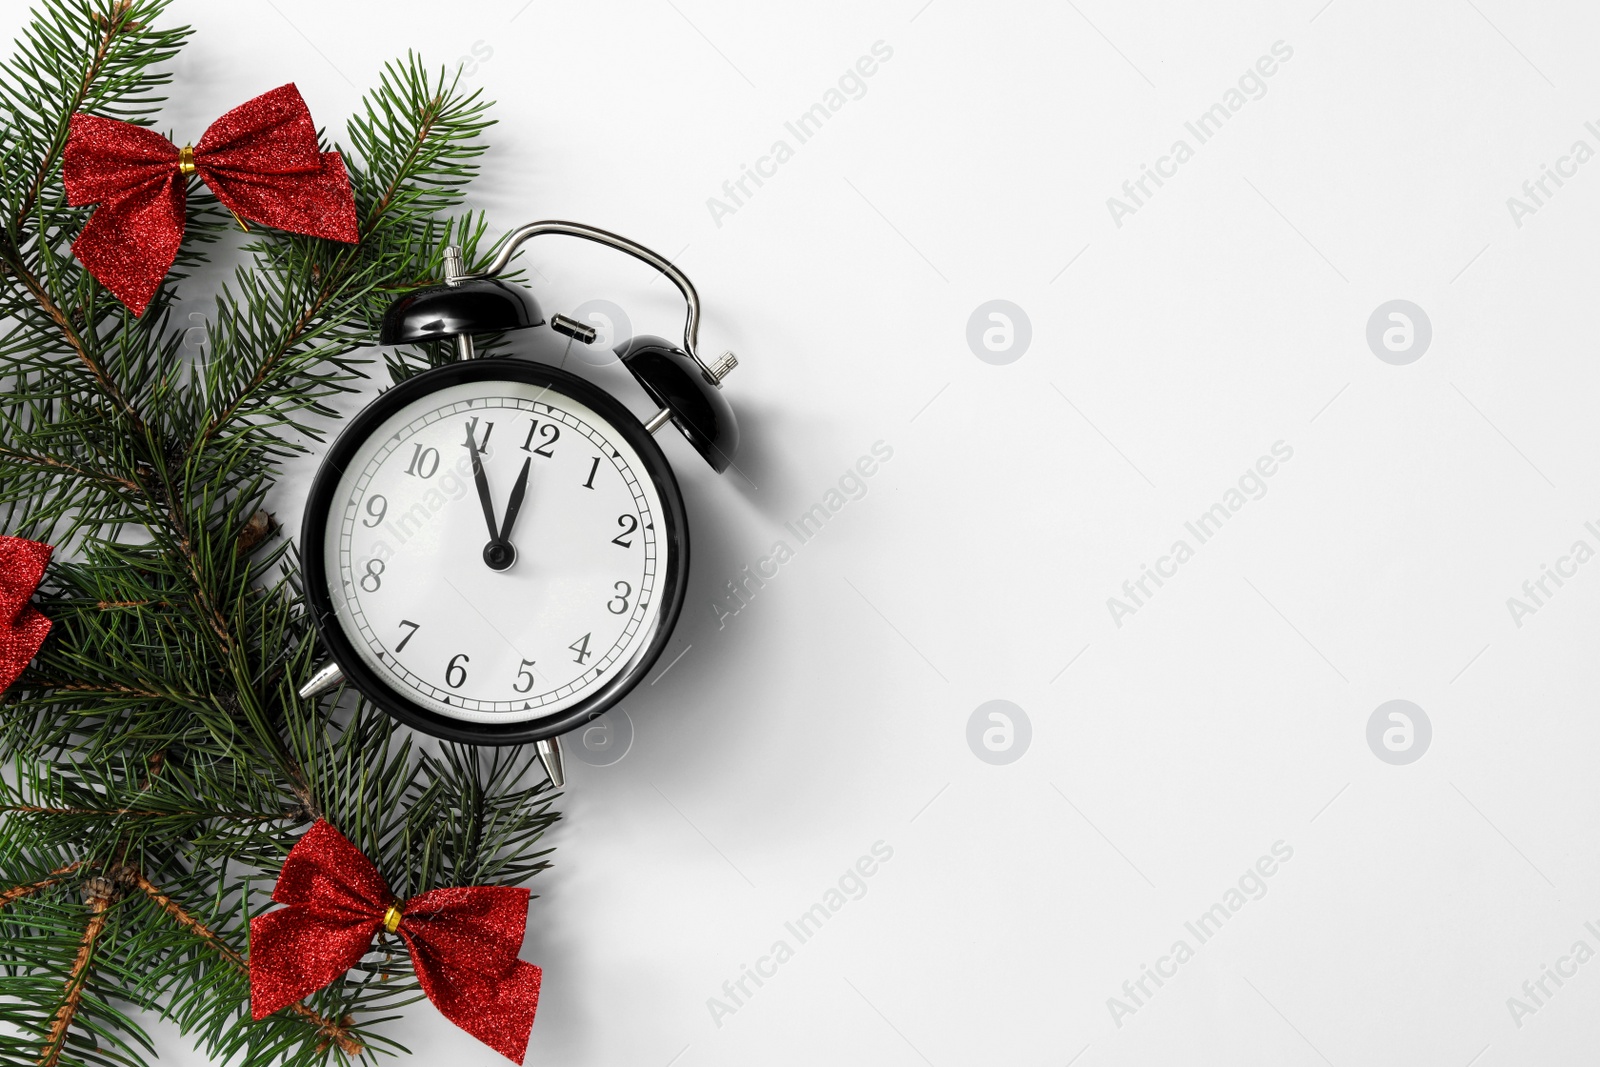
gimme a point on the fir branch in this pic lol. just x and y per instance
(159, 743)
(99, 895)
(74, 340)
(336, 1032)
(61, 467)
(18, 892)
(120, 22)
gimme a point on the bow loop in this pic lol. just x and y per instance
(329, 877)
(262, 160)
(23, 627)
(107, 158)
(463, 941)
(272, 134)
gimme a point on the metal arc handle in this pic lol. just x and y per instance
(691, 328)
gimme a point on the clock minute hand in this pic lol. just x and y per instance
(514, 505)
(481, 479)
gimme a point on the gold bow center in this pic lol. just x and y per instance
(186, 159)
(391, 918)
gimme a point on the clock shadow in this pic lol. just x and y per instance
(734, 519)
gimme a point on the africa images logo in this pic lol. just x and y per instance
(850, 886)
(1252, 85)
(1251, 885)
(1251, 485)
(851, 85)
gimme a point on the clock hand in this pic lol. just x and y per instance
(482, 481)
(514, 505)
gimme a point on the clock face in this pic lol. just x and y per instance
(496, 551)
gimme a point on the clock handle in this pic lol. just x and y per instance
(691, 327)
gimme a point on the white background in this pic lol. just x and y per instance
(1230, 712)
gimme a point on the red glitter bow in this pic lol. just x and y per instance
(261, 159)
(22, 626)
(463, 942)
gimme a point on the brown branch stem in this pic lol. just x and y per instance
(72, 998)
(109, 31)
(69, 333)
(67, 468)
(137, 813)
(337, 1032)
(124, 690)
(18, 892)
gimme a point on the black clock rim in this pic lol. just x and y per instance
(313, 529)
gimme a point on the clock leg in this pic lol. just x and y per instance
(550, 755)
(326, 680)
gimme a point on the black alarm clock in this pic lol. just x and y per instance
(496, 551)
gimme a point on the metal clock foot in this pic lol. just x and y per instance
(550, 755)
(326, 680)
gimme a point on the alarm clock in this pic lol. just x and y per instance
(495, 551)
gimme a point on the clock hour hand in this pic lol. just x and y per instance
(482, 481)
(514, 505)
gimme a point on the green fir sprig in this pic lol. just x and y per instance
(159, 763)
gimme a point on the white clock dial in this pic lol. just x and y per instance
(409, 551)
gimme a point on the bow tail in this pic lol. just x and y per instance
(20, 642)
(130, 242)
(23, 627)
(294, 953)
(22, 564)
(318, 203)
(497, 1009)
